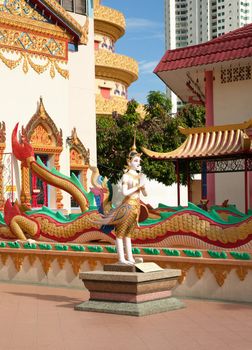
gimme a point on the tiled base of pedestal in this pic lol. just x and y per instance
(129, 298)
(120, 289)
(131, 309)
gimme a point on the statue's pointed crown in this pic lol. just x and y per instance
(133, 151)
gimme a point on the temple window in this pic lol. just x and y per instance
(105, 92)
(77, 6)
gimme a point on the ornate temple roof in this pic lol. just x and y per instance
(230, 46)
(212, 142)
(56, 19)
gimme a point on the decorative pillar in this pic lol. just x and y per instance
(209, 122)
(178, 182)
(1, 181)
(246, 185)
(189, 190)
(84, 172)
(250, 189)
(25, 196)
(59, 196)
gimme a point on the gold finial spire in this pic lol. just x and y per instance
(41, 108)
(133, 148)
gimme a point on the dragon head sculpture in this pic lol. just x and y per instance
(22, 151)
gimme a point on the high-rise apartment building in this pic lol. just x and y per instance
(190, 22)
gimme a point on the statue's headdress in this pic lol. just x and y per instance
(133, 152)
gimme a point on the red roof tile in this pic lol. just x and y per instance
(233, 45)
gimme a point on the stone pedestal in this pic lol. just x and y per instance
(120, 289)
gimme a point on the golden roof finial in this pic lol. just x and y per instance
(74, 137)
(41, 109)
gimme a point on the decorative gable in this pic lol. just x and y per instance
(22, 8)
(35, 35)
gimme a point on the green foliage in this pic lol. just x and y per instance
(157, 131)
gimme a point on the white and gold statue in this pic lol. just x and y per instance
(125, 216)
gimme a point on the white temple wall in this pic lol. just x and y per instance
(232, 104)
(69, 102)
(82, 112)
(232, 101)
(20, 94)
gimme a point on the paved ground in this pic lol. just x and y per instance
(40, 318)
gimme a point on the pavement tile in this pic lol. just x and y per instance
(40, 318)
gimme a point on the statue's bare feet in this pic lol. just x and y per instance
(126, 262)
(30, 240)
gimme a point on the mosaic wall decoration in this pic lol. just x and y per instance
(21, 8)
(33, 43)
(236, 73)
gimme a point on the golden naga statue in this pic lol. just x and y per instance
(129, 223)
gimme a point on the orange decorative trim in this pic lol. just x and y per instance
(25, 196)
(33, 43)
(240, 126)
(44, 137)
(59, 195)
(2, 148)
(42, 118)
(209, 141)
(79, 156)
(42, 26)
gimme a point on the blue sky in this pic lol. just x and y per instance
(143, 40)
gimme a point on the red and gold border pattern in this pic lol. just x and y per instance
(38, 44)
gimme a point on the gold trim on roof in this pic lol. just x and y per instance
(45, 27)
(113, 66)
(82, 31)
(26, 60)
(79, 155)
(209, 142)
(109, 22)
(241, 126)
(38, 44)
(32, 25)
(117, 104)
(21, 8)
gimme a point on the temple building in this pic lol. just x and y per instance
(114, 72)
(47, 80)
(218, 74)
